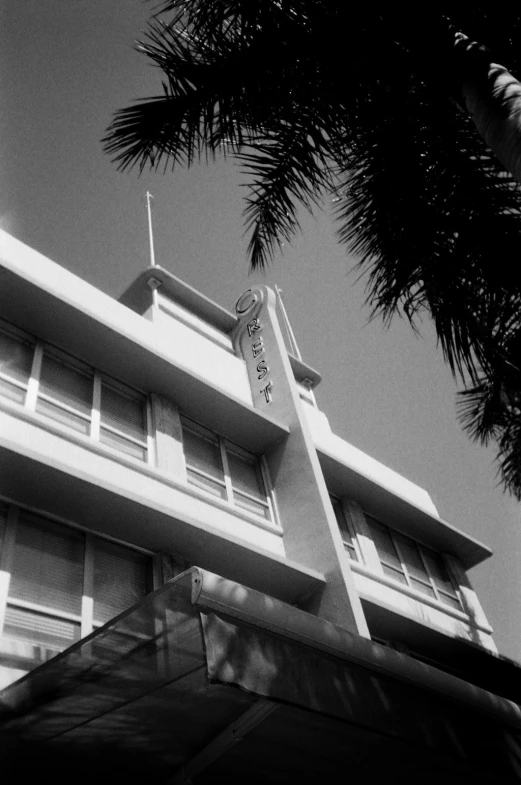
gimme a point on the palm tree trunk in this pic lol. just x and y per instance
(492, 96)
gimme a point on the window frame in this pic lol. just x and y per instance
(257, 461)
(340, 502)
(429, 581)
(93, 420)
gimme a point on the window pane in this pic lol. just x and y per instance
(423, 587)
(16, 358)
(120, 579)
(452, 601)
(439, 572)
(251, 506)
(384, 544)
(12, 392)
(394, 573)
(203, 453)
(412, 559)
(47, 567)
(343, 526)
(123, 412)
(66, 384)
(123, 445)
(245, 475)
(62, 415)
(206, 484)
(39, 628)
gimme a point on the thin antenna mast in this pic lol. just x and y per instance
(292, 340)
(150, 233)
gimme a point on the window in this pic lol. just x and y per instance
(73, 394)
(345, 528)
(16, 355)
(65, 391)
(413, 565)
(123, 419)
(65, 583)
(225, 471)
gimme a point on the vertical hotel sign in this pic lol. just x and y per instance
(250, 309)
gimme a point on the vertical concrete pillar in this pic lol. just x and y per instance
(166, 426)
(311, 534)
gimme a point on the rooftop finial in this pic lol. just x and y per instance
(150, 234)
(291, 337)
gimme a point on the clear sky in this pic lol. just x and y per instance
(65, 67)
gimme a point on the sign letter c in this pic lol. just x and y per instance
(245, 302)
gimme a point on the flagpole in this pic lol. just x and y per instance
(291, 335)
(150, 233)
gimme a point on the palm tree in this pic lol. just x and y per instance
(405, 120)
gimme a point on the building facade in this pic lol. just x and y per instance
(159, 441)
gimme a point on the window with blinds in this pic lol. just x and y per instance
(123, 420)
(121, 577)
(16, 357)
(224, 470)
(344, 525)
(54, 572)
(248, 488)
(414, 565)
(73, 394)
(65, 392)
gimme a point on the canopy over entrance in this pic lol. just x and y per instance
(208, 681)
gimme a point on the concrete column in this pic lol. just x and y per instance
(168, 436)
(311, 534)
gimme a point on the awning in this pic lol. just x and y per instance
(208, 681)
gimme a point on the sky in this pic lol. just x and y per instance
(65, 67)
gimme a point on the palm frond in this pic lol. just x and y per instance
(202, 108)
(433, 219)
(288, 169)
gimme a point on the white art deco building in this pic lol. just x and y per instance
(199, 581)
